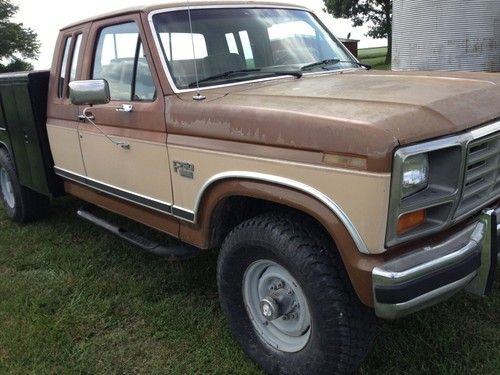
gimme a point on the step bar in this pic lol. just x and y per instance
(175, 252)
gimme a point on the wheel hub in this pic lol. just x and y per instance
(277, 304)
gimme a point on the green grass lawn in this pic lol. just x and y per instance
(74, 299)
(374, 57)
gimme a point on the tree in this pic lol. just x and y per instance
(378, 12)
(16, 41)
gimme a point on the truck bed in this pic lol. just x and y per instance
(23, 132)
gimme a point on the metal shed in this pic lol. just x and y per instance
(446, 35)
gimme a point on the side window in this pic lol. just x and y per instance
(62, 71)
(120, 60)
(76, 54)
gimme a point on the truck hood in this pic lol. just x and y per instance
(362, 113)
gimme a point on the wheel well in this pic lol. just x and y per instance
(232, 211)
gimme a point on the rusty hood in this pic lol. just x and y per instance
(361, 113)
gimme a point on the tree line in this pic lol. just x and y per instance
(17, 43)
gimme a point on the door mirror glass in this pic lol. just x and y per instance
(90, 92)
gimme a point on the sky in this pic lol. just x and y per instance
(48, 16)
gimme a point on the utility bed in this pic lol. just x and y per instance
(23, 114)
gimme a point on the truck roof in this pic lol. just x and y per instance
(178, 3)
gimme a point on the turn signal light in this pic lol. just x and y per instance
(410, 221)
(346, 161)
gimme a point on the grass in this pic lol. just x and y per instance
(74, 299)
(374, 57)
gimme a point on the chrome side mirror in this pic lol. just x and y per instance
(90, 92)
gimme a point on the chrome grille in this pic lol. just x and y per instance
(482, 174)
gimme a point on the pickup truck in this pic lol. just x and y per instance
(335, 193)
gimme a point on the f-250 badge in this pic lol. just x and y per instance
(184, 169)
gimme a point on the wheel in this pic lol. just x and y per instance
(21, 204)
(289, 303)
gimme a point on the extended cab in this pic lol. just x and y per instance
(334, 193)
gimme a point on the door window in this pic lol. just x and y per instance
(121, 61)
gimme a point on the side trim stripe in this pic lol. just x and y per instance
(191, 216)
(184, 214)
(123, 194)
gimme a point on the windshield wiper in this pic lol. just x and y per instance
(320, 63)
(234, 73)
(368, 67)
(328, 62)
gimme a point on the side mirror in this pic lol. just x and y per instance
(90, 92)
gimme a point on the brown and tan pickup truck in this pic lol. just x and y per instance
(335, 193)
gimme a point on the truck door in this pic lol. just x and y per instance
(62, 116)
(125, 154)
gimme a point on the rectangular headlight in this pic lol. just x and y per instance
(415, 174)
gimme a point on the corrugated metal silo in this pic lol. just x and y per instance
(446, 35)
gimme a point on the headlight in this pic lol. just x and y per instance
(425, 187)
(415, 174)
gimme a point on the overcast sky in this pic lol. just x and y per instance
(48, 16)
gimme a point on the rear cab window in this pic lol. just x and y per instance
(69, 64)
(76, 55)
(63, 68)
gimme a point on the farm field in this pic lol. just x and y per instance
(74, 299)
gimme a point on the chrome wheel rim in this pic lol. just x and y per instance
(7, 188)
(276, 306)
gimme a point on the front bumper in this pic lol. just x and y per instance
(430, 275)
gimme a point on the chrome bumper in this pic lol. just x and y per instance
(430, 275)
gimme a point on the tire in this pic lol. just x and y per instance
(341, 329)
(21, 204)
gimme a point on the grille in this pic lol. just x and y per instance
(482, 174)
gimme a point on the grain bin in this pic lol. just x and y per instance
(446, 35)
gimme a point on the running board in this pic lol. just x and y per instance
(175, 252)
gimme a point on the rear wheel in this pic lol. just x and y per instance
(21, 204)
(289, 302)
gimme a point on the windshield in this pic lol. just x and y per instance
(252, 42)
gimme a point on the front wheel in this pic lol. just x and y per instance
(21, 204)
(289, 303)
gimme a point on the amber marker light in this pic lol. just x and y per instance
(409, 221)
(346, 161)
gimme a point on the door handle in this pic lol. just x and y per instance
(125, 108)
